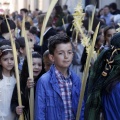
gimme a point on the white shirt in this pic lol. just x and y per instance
(6, 89)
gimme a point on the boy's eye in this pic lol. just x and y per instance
(70, 52)
(60, 53)
(12, 58)
(5, 59)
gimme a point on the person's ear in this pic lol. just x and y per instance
(51, 57)
(21, 50)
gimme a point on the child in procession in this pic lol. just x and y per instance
(7, 82)
(26, 83)
(58, 90)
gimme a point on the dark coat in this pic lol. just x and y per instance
(48, 34)
(25, 102)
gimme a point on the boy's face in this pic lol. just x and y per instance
(63, 56)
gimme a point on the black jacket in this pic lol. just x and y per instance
(48, 34)
(25, 102)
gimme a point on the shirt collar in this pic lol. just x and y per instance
(60, 75)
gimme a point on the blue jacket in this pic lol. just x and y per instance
(48, 102)
(111, 103)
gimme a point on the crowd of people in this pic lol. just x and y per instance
(58, 65)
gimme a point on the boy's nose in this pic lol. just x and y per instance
(66, 55)
(9, 61)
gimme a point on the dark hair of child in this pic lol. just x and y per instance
(4, 28)
(24, 73)
(4, 50)
(33, 30)
(53, 41)
(21, 42)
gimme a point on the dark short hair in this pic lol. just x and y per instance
(36, 55)
(33, 30)
(24, 10)
(4, 27)
(53, 41)
(113, 6)
(21, 42)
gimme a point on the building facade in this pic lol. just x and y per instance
(16, 5)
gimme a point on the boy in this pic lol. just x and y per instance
(58, 90)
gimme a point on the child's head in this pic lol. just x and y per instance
(21, 42)
(60, 49)
(46, 60)
(6, 60)
(4, 28)
(37, 64)
(37, 67)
